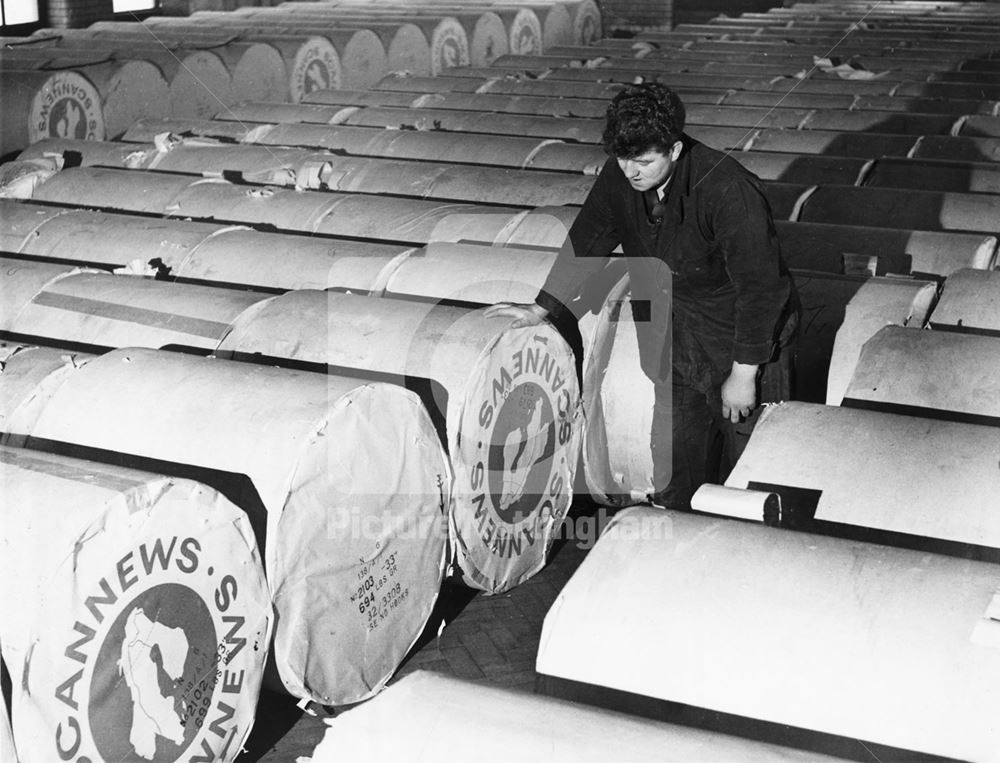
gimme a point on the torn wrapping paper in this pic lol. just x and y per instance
(846, 70)
(18, 179)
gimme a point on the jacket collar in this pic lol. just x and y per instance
(680, 188)
(683, 175)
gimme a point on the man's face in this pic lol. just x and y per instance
(650, 169)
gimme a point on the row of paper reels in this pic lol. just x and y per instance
(867, 617)
(205, 420)
(196, 66)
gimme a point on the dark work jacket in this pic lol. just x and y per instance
(716, 251)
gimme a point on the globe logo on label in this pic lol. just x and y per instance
(158, 662)
(526, 42)
(521, 450)
(67, 107)
(67, 119)
(514, 473)
(316, 77)
(316, 67)
(156, 666)
(449, 48)
(450, 55)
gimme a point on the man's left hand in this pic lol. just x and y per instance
(739, 392)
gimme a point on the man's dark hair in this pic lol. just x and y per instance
(643, 118)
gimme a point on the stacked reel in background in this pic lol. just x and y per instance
(342, 493)
(93, 83)
(858, 512)
(331, 243)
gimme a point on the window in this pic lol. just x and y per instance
(13, 12)
(121, 6)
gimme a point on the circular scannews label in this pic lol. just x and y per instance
(66, 106)
(516, 458)
(587, 24)
(489, 40)
(525, 34)
(158, 657)
(450, 46)
(316, 67)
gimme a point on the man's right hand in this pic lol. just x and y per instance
(524, 315)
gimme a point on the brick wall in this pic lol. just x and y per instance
(635, 15)
(619, 15)
(75, 13)
(700, 11)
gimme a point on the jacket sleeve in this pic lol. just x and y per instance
(745, 231)
(587, 248)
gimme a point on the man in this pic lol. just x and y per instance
(693, 222)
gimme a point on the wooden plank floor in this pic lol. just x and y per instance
(488, 639)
